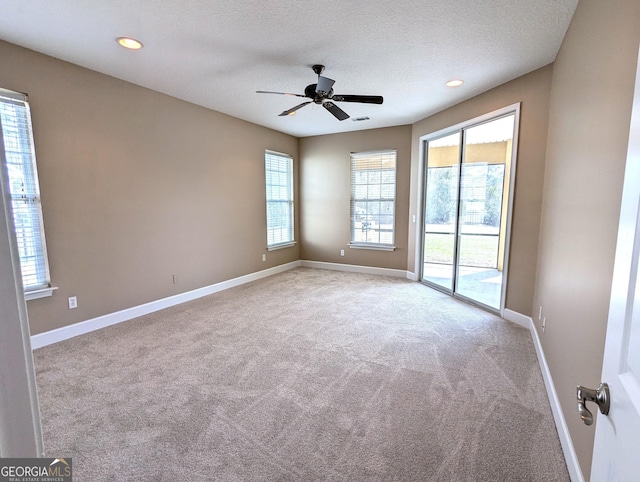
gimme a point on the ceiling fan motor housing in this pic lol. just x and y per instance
(310, 91)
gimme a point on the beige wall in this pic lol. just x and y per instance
(590, 111)
(532, 90)
(137, 186)
(325, 187)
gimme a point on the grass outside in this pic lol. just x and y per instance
(475, 251)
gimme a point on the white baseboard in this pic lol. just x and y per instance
(66, 332)
(80, 328)
(561, 424)
(518, 318)
(353, 268)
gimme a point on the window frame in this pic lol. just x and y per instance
(355, 199)
(35, 227)
(269, 158)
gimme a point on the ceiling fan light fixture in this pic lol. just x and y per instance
(454, 83)
(129, 43)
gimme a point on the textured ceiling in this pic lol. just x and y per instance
(218, 53)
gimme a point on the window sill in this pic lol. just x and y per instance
(41, 293)
(281, 246)
(375, 247)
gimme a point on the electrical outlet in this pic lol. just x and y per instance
(413, 218)
(540, 313)
(175, 279)
(264, 257)
(342, 252)
(73, 302)
(544, 324)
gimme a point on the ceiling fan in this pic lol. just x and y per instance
(322, 93)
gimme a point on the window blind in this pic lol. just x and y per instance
(373, 195)
(17, 137)
(279, 190)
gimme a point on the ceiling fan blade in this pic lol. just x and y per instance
(294, 109)
(336, 111)
(324, 85)
(280, 93)
(365, 99)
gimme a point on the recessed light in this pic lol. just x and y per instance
(454, 83)
(129, 43)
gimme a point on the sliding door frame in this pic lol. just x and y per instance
(422, 197)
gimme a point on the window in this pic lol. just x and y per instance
(373, 195)
(17, 136)
(279, 184)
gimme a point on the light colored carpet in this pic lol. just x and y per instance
(306, 375)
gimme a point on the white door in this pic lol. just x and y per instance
(20, 430)
(617, 446)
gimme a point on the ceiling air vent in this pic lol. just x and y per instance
(359, 119)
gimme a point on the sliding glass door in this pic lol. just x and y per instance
(466, 202)
(443, 160)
